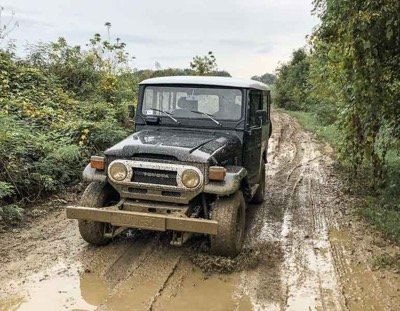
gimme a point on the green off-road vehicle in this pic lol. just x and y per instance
(196, 158)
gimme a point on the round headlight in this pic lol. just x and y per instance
(190, 178)
(118, 171)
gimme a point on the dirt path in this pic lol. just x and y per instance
(304, 252)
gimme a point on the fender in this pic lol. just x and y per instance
(90, 174)
(230, 185)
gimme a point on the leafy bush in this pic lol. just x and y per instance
(350, 78)
(11, 212)
(58, 107)
(291, 87)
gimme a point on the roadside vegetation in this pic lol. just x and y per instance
(59, 105)
(345, 86)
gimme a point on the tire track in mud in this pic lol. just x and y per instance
(298, 283)
(306, 260)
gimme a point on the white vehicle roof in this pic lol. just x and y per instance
(207, 80)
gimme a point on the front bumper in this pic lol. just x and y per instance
(150, 221)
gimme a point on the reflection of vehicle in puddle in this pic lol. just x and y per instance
(93, 288)
(59, 288)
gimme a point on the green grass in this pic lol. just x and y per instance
(308, 120)
(381, 208)
(387, 262)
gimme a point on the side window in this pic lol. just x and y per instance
(267, 102)
(255, 103)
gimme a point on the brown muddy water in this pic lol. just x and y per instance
(302, 252)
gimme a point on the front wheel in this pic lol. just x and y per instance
(230, 214)
(96, 195)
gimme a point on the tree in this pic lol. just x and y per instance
(358, 49)
(267, 78)
(291, 87)
(204, 65)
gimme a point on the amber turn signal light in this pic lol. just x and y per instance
(97, 162)
(216, 173)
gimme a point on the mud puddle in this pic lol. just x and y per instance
(299, 253)
(61, 288)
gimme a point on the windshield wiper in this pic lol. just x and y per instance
(168, 114)
(207, 115)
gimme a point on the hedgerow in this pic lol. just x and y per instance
(57, 107)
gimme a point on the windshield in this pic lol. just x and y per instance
(192, 102)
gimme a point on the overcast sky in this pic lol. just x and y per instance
(247, 37)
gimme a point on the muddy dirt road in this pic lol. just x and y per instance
(303, 252)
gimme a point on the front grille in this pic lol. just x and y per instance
(152, 176)
(137, 190)
(170, 193)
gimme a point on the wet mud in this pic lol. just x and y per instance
(303, 251)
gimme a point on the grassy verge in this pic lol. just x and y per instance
(387, 262)
(382, 208)
(310, 123)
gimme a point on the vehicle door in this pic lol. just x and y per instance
(266, 126)
(253, 135)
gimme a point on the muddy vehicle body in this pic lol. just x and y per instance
(196, 159)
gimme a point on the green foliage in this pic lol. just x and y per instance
(291, 87)
(6, 190)
(383, 209)
(357, 48)
(383, 219)
(351, 78)
(204, 65)
(200, 66)
(58, 106)
(387, 262)
(147, 74)
(267, 78)
(308, 120)
(11, 212)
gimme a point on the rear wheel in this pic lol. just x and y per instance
(260, 193)
(96, 195)
(230, 214)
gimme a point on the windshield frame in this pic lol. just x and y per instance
(197, 122)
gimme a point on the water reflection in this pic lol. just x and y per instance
(61, 287)
(93, 288)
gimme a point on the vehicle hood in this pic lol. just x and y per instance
(185, 146)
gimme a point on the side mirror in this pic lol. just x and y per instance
(131, 111)
(262, 116)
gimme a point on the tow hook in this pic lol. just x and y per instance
(179, 238)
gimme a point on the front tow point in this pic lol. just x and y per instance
(179, 238)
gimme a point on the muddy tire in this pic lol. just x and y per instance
(95, 195)
(230, 214)
(260, 193)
